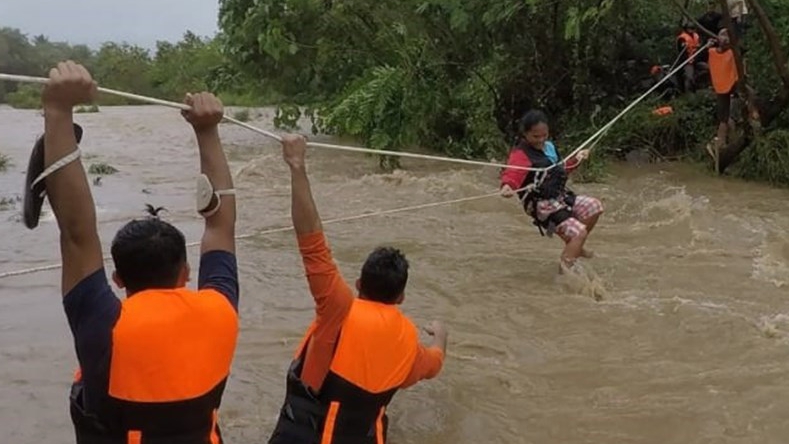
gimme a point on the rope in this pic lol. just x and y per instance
(591, 141)
(679, 56)
(269, 134)
(182, 106)
(284, 229)
(608, 126)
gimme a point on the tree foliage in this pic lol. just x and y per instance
(448, 75)
(173, 69)
(454, 75)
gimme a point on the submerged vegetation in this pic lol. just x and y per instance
(453, 76)
(102, 168)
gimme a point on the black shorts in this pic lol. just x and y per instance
(724, 105)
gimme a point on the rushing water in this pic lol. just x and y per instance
(688, 344)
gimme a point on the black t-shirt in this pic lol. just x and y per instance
(712, 21)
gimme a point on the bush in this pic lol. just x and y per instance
(767, 159)
(4, 162)
(248, 99)
(27, 96)
(287, 117)
(241, 115)
(87, 109)
(5, 203)
(683, 133)
(102, 168)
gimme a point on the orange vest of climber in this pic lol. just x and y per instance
(723, 70)
(169, 361)
(374, 355)
(692, 42)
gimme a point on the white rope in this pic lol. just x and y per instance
(605, 128)
(182, 106)
(284, 229)
(592, 140)
(41, 80)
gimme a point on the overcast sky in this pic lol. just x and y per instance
(92, 22)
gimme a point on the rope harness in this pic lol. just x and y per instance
(528, 199)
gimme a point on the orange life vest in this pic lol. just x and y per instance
(374, 355)
(170, 359)
(692, 42)
(723, 70)
(663, 110)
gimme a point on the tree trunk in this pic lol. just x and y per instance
(768, 112)
(779, 56)
(730, 153)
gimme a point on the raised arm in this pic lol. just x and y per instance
(218, 265)
(574, 162)
(303, 211)
(67, 187)
(220, 223)
(332, 295)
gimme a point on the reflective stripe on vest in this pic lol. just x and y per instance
(170, 359)
(351, 406)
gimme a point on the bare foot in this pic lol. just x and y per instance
(565, 264)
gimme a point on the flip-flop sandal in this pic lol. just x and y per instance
(35, 187)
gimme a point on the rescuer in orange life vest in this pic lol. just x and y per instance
(358, 351)
(153, 367)
(688, 42)
(725, 79)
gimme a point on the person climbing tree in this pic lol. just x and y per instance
(738, 10)
(712, 21)
(724, 77)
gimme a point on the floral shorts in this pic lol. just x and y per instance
(584, 208)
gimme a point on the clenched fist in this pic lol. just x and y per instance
(69, 84)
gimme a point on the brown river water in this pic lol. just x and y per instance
(688, 344)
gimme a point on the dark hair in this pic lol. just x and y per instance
(384, 275)
(148, 253)
(530, 119)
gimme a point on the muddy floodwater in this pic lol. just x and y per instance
(689, 342)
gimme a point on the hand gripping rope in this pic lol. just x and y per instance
(591, 142)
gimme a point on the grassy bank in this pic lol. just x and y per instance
(680, 136)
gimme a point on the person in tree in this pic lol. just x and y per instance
(738, 10)
(724, 77)
(688, 43)
(711, 20)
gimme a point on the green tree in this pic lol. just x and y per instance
(187, 66)
(124, 67)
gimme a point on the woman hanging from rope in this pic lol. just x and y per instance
(547, 200)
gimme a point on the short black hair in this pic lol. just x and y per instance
(384, 275)
(531, 119)
(148, 253)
